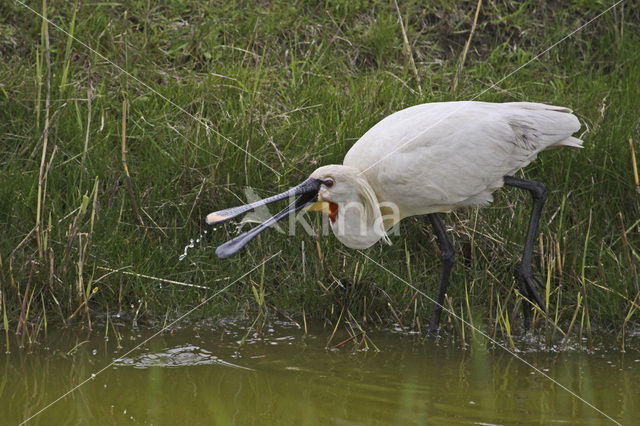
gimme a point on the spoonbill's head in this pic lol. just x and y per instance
(351, 204)
(339, 191)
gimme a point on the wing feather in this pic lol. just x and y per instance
(437, 156)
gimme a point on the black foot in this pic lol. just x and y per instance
(528, 282)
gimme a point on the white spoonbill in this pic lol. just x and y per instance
(428, 159)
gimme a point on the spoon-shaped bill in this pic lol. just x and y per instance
(233, 246)
(308, 186)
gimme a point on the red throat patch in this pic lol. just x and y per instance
(333, 211)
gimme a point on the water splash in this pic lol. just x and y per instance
(177, 356)
(186, 249)
(192, 244)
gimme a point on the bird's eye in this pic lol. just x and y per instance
(329, 183)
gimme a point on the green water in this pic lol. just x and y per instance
(197, 374)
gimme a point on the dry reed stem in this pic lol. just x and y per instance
(395, 315)
(86, 137)
(196, 200)
(162, 280)
(466, 46)
(85, 304)
(453, 314)
(46, 172)
(304, 320)
(51, 268)
(565, 339)
(157, 226)
(80, 283)
(2, 278)
(24, 240)
(624, 238)
(401, 81)
(558, 259)
(46, 127)
(52, 120)
(337, 346)
(124, 165)
(94, 206)
(73, 231)
(635, 167)
(22, 321)
(284, 314)
(408, 47)
(76, 312)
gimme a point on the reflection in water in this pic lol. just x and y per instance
(200, 374)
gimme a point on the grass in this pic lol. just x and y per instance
(104, 171)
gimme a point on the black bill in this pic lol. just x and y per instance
(307, 193)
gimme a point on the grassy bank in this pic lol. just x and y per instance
(187, 88)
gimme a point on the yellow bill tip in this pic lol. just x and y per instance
(215, 218)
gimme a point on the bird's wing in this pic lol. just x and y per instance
(456, 153)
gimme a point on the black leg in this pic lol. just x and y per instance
(527, 280)
(447, 254)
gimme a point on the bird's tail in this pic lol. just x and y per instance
(570, 141)
(558, 122)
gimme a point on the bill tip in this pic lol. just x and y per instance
(223, 253)
(213, 218)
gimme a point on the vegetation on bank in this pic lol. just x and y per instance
(123, 124)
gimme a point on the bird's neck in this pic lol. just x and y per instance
(359, 224)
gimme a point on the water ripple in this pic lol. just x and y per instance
(179, 356)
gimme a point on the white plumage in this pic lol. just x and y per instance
(455, 153)
(440, 156)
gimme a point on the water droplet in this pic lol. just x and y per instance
(95, 352)
(198, 240)
(206, 231)
(93, 375)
